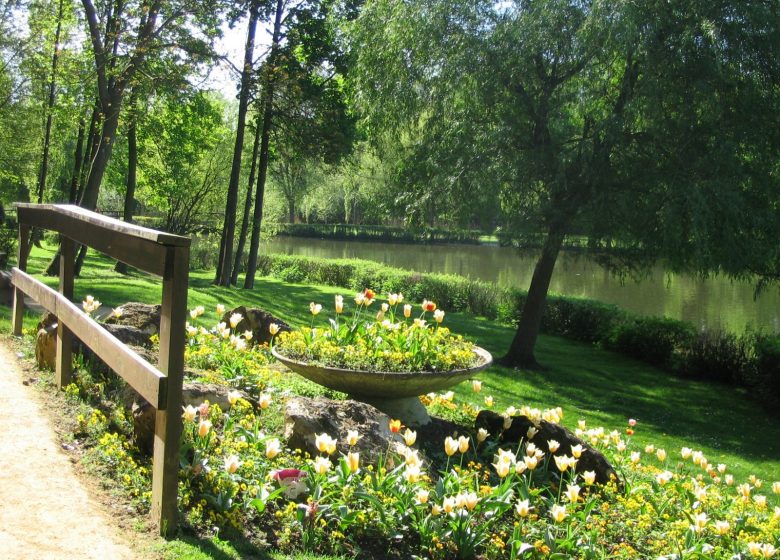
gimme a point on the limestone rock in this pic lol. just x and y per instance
(144, 414)
(46, 347)
(257, 321)
(590, 460)
(141, 316)
(305, 417)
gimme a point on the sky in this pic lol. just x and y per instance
(224, 78)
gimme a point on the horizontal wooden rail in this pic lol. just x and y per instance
(146, 379)
(137, 246)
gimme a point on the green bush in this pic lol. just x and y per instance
(8, 240)
(655, 340)
(764, 378)
(718, 356)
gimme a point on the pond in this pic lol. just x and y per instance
(714, 303)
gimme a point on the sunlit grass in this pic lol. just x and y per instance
(588, 383)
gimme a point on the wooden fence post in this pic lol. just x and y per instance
(64, 362)
(21, 264)
(168, 422)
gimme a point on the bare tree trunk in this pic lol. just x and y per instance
(132, 167)
(521, 351)
(265, 141)
(229, 228)
(247, 208)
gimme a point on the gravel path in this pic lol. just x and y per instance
(45, 510)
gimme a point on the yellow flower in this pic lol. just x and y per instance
(650, 448)
(507, 422)
(744, 490)
(661, 454)
(325, 443)
(233, 397)
(558, 513)
(754, 548)
(235, 319)
(776, 487)
(502, 468)
(729, 479)
(273, 328)
(272, 448)
(577, 450)
(635, 457)
(450, 446)
(435, 510)
(531, 432)
(407, 310)
(410, 437)
(589, 477)
(203, 428)
(767, 550)
(339, 304)
(395, 426)
(197, 312)
(531, 462)
(663, 478)
(321, 465)
(264, 400)
(572, 493)
(117, 312)
(448, 505)
(721, 468)
(686, 452)
(489, 402)
(220, 309)
(553, 445)
(315, 308)
(352, 437)
(470, 500)
(353, 461)
(232, 463)
(523, 508)
(476, 385)
(562, 462)
(463, 444)
(438, 315)
(699, 522)
(722, 527)
(422, 496)
(412, 473)
(189, 413)
(760, 501)
(482, 435)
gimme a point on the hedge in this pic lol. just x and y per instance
(751, 360)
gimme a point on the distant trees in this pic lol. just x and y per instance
(646, 127)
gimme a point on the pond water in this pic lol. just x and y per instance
(713, 303)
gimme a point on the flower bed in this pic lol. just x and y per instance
(473, 498)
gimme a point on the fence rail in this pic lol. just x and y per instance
(152, 251)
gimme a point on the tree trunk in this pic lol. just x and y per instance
(132, 167)
(247, 209)
(265, 141)
(50, 107)
(229, 227)
(521, 351)
(89, 197)
(78, 160)
(291, 211)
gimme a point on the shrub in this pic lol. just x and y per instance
(764, 377)
(718, 356)
(655, 340)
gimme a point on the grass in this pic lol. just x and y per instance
(599, 386)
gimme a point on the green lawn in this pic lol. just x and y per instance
(588, 383)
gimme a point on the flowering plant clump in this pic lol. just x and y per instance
(397, 338)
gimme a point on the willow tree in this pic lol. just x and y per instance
(646, 127)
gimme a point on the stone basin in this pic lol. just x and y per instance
(393, 393)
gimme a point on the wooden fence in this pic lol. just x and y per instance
(152, 251)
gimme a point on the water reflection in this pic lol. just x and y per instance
(712, 303)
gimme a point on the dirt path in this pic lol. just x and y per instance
(46, 512)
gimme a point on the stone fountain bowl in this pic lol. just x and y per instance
(371, 386)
